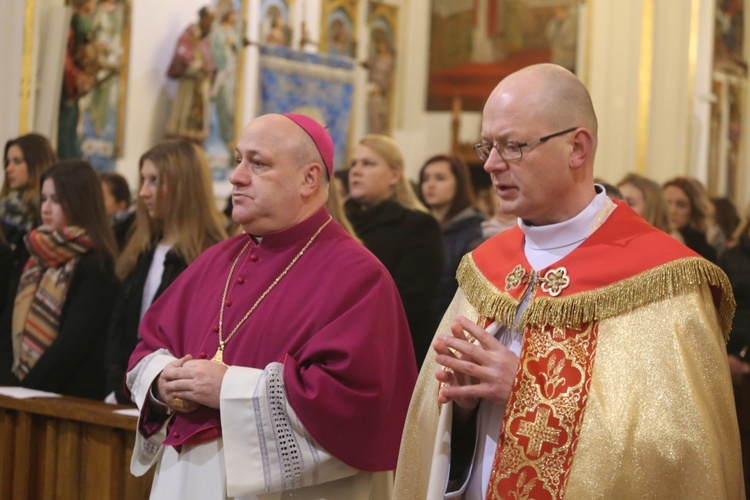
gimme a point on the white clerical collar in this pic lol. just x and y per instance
(545, 245)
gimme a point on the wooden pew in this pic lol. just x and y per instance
(67, 448)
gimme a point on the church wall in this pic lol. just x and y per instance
(651, 92)
(11, 46)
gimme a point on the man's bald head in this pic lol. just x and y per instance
(553, 95)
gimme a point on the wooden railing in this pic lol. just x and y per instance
(68, 448)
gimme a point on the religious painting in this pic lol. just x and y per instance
(729, 37)
(715, 134)
(92, 107)
(338, 32)
(733, 137)
(276, 22)
(227, 42)
(381, 66)
(726, 141)
(476, 43)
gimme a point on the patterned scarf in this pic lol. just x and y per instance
(42, 291)
(16, 216)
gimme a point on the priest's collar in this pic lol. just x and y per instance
(545, 245)
(292, 235)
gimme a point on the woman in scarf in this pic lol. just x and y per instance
(25, 159)
(54, 329)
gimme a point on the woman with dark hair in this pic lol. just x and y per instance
(687, 210)
(735, 262)
(25, 159)
(176, 220)
(65, 292)
(445, 188)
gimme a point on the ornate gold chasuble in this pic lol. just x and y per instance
(545, 413)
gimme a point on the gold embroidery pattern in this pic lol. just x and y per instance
(668, 280)
(515, 277)
(544, 415)
(555, 281)
(538, 432)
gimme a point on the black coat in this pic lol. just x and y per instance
(74, 363)
(410, 246)
(6, 267)
(123, 330)
(735, 262)
(461, 234)
(697, 242)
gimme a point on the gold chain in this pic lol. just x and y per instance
(219, 356)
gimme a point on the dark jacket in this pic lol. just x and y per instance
(461, 234)
(697, 242)
(74, 363)
(121, 227)
(123, 330)
(6, 267)
(14, 237)
(735, 262)
(410, 246)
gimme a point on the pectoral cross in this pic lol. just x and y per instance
(219, 356)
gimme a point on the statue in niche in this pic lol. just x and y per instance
(193, 67)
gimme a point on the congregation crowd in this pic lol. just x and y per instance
(83, 265)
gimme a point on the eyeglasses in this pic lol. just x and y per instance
(512, 150)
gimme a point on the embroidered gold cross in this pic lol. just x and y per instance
(538, 432)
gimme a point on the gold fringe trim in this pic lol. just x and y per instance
(668, 280)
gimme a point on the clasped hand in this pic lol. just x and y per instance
(195, 381)
(472, 371)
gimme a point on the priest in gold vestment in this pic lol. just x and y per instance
(583, 354)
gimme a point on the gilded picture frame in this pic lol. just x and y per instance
(382, 26)
(339, 28)
(474, 44)
(91, 121)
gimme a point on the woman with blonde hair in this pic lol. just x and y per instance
(645, 197)
(395, 226)
(176, 220)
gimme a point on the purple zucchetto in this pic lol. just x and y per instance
(318, 134)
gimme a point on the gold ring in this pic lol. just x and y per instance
(178, 403)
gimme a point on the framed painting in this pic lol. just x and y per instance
(726, 150)
(476, 43)
(338, 28)
(729, 37)
(734, 142)
(381, 66)
(715, 133)
(92, 106)
(227, 42)
(276, 22)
